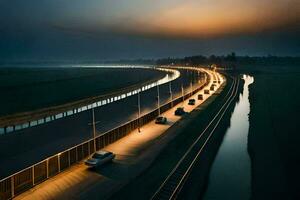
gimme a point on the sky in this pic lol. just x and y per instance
(128, 29)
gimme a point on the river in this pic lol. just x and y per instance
(230, 175)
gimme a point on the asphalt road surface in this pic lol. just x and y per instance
(134, 153)
(23, 148)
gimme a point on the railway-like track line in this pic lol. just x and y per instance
(174, 182)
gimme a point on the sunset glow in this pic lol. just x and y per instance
(153, 28)
(184, 18)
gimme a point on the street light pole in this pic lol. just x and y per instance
(139, 111)
(94, 129)
(182, 93)
(158, 105)
(171, 94)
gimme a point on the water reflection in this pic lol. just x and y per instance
(230, 176)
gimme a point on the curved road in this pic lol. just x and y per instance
(134, 153)
(28, 146)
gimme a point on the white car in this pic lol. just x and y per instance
(99, 158)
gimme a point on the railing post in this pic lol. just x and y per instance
(76, 154)
(47, 167)
(32, 173)
(69, 158)
(12, 182)
(58, 162)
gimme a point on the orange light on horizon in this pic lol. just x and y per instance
(200, 19)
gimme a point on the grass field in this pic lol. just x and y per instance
(274, 139)
(27, 89)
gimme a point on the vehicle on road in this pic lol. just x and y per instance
(161, 120)
(212, 88)
(200, 96)
(99, 158)
(192, 102)
(206, 91)
(215, 81)
(179, 111)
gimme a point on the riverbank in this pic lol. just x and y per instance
(197, 185)
(230, 174)
(144, 186)
(274, 133)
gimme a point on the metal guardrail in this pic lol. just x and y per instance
(25, 120)
(29, 177)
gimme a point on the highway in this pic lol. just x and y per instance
(25, 147)
(135, 152)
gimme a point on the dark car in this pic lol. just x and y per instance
(161, 120)
(179, 111)
(206, 91)
(200, 96)
(192, 102)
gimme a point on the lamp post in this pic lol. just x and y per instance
(94, 128)
(139, 110)
(171, 94)
(182, 93)
(158, 104)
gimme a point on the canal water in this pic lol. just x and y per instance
(230, 175)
